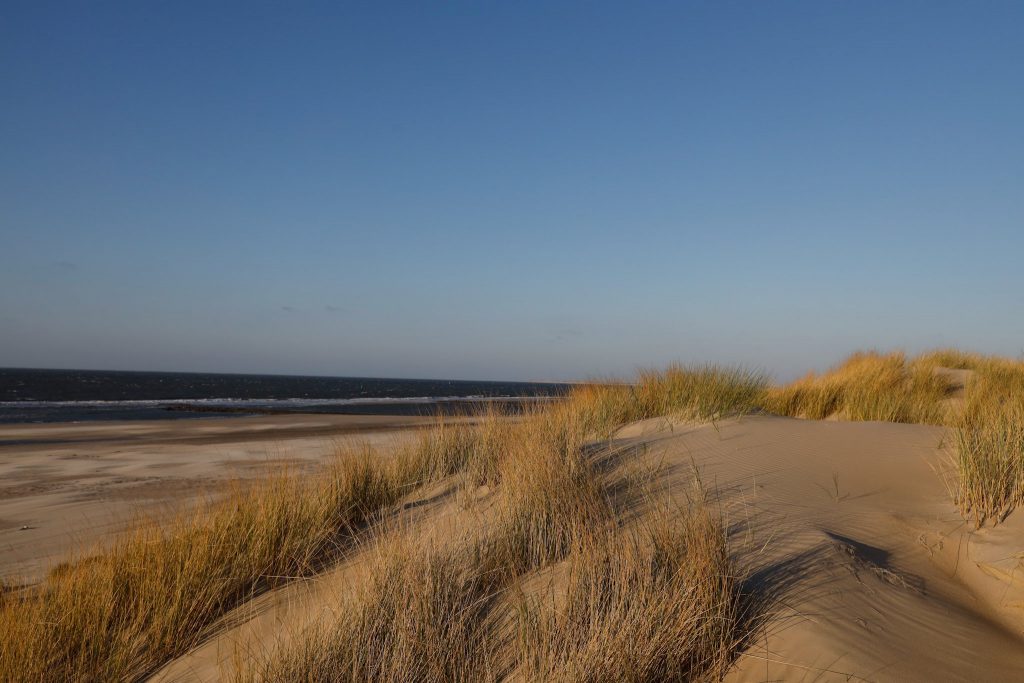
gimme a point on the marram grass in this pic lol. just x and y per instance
(985, 426)
(988, 443)
(154, 593)
(651, 602)
(866, 387)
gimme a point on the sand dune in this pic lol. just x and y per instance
(847, 532)
(854, 562)
(856, 565)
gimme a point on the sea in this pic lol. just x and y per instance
(39, 395)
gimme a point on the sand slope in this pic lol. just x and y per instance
(857, 566)
(274, 618)
(865, 570)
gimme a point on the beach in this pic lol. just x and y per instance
(817, 525)
(65, 486)
(512, 343)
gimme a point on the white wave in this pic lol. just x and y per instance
(261, 402)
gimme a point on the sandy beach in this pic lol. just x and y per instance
(64, 486)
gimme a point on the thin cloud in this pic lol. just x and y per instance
(562, 335)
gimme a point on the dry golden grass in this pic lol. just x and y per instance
(986, 480)
(988, 439)
(950, 358)
(867, 386)
(426, 613)
(656, 604)
(549, 491)
(154, 593)
(421, 616)
(698, 392)
(453, 446)
(656, 601)
(151, 594)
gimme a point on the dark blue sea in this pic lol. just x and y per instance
(31, 395)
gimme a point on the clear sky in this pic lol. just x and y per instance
(507, 190)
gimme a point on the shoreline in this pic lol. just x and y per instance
(174, 411)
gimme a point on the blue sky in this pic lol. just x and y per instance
(507, 190)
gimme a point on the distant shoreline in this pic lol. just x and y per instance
(47, 396)
(458, 407)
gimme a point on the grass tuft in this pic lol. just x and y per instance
(659, 601)
(988, 457)
(420, 616)
(699, 392)
(658, 604)
(986, 480)
(866, 387)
